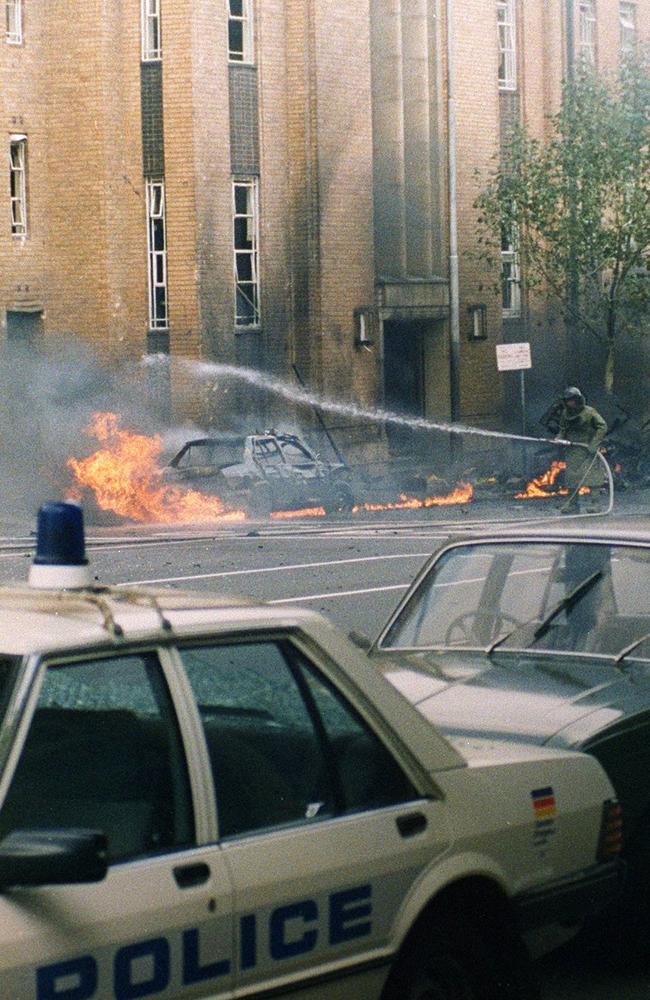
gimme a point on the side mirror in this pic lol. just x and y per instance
(52, 857)
(360, 640)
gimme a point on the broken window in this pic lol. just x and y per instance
(507, 45)
(510, 274)
(17, 184)
(240, 30)
(157, 253)
(246, 231)
(627, 17)
(587, 14)
(14, 21)
(151, 39)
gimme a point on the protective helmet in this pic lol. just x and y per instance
(572, 392)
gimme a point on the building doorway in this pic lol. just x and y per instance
(24, 327)
(403, 378)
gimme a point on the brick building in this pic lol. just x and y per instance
(264, 182)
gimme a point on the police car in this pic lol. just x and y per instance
(204, 797)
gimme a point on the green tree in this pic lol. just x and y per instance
(578, 204)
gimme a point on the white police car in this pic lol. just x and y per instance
(209, 798)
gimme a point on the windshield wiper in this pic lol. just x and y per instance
(630, 649)
(565, 604)
(568, 602)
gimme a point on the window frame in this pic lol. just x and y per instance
(24, 703)
(510, 276)
(151, 30)
(247, 53)
(293, 649)
(629, 37)
(14, 34)
(507, 44)
(18, 185)
(588, 32)
(156, 205)
(252, 217)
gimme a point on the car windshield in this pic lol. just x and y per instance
(207, 453)
(586, 597)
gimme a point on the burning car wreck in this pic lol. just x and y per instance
(230, 477)
(262, 473)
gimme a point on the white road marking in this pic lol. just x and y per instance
(396, 586)
(278, 569)
(338, 593)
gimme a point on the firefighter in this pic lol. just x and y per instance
(584, 425)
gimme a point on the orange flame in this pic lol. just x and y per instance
(543, 485)
(285, 515)
(463, 493)
(124, 477)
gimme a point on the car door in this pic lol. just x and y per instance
(101, 748)
(323, 832)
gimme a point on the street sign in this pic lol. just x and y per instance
(513, 357)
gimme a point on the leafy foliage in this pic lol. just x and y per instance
(578, 202)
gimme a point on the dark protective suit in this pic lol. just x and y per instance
(584, 425)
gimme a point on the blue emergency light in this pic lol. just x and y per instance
(60, 561)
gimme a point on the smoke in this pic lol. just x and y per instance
(47, 398)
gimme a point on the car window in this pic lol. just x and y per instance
(368, 775)
(587, 597)
(295, 453)
(267, 450)
(103, 752)
(284, 748)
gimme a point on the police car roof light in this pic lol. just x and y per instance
(60, 561)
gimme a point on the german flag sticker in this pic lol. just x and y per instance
(544, 805)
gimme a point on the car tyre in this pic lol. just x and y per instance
(449, 959)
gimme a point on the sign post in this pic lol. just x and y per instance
(512, 358)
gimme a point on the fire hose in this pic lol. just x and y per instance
(566, 505)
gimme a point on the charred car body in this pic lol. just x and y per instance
(540, 635)
(262, 473)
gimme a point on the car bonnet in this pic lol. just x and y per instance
(529, 698)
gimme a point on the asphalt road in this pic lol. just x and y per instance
(354, 572)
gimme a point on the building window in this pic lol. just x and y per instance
(506, 35)
(510, 275)
(627, 18)
(246, 237)
(17, 184)
(157, 252)
(14, 21)
(587, 15)
(240, 30)
(151, 36)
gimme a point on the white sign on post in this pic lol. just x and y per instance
(513, 357)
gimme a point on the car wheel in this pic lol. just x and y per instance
(448, 959)
(340, 499)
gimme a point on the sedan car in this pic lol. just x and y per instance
(201, 796)
(542, 635)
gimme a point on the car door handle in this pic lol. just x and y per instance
(411, 823)
(193, 874)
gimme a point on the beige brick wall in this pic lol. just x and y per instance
(74, 88)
